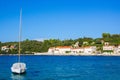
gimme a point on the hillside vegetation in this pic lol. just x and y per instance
(30, 46)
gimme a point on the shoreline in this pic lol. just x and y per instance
(58, 54)
(73, 54)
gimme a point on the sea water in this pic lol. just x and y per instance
(63, 68)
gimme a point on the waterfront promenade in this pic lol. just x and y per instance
(81, 54)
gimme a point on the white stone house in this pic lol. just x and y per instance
(89, 49)
(77, 50)
(51, 50)
(69, 49)
(117, 50)
(110, 49)
(4, 48)
(59, 49)
(64, 49)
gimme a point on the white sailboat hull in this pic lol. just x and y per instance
(18, 68)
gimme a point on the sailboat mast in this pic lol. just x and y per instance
(20, 30)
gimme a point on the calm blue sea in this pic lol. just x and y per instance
(63, 68)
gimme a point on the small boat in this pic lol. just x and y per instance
(19, 67)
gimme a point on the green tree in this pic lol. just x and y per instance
(68, 42)
(106, 35)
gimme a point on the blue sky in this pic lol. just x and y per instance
(58, 19)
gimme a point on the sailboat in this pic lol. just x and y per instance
(19, 67)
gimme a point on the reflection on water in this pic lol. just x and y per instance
(17, 76)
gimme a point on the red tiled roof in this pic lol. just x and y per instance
(87, 47)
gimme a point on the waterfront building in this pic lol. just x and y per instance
(117, 50)
(63, 49)
(110, 48)
(77, 50)
(51, 50)
(89, 49)
(12, 47)
(4, 48)
(60, 49)
(68, 49)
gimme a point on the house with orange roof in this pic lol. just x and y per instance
(60, 49)
(63, 49)
(77, 50)
(12, 47)
(69, 49)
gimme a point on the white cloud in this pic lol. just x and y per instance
(40, 39)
